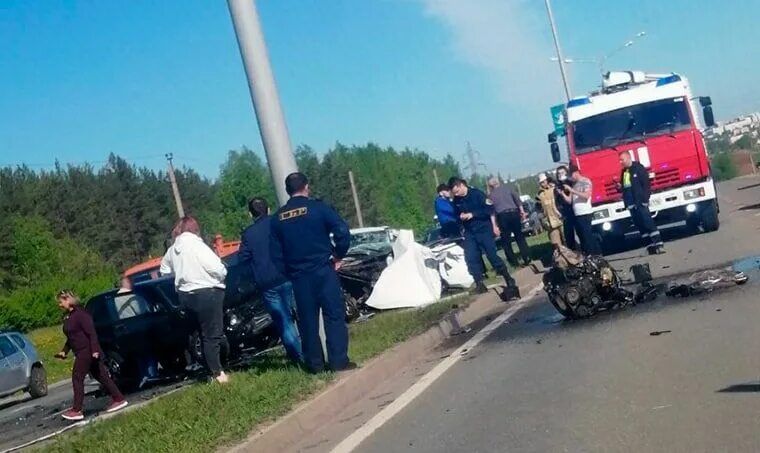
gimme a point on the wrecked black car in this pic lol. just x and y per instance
(146, 326)
(579, 286)
(361, 268)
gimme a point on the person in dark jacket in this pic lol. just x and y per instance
(309, 239)
(634, 183)
(277, 291)
(444, 211)
(88, 356)
(479, 231)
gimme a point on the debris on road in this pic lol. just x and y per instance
(659, 332)
(705, 281)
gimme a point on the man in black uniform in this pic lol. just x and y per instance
(477, 217)
(301, 246)
(634, 183)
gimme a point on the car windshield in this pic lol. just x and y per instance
(630, 124)
(369, 242)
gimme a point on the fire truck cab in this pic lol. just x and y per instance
(653, 117)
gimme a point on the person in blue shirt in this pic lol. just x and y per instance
(445, 212)
(480, 228)
(302, 247)
(276, 290)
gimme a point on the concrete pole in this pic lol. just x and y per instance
(266, 102)
(357, 205)
(435, 176)
(560, 59)
(175, 187)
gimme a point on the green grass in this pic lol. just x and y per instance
(204, 417)
(48, 341)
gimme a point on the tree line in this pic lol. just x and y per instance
(78, 226)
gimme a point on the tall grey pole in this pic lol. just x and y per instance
(357, 205)
(175, 187)
(435, 176)
(560, 59)
(266, 102)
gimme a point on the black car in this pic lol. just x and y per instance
(148, 325)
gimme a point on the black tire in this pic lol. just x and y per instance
(710, 220)
(38, 382)
(352, 306)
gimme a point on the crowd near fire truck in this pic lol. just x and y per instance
(653, 117)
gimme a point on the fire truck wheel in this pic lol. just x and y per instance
(710, 220)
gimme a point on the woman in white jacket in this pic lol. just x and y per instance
(199, 278)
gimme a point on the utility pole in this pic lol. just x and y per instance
(356, 199)
(266, 102)
(175, 188)
(560, 59)
(435, 176)
(473, 160)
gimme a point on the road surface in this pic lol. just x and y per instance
(610, 383)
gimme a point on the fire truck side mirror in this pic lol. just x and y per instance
(552, 137)
(707, 113)
(555, 151)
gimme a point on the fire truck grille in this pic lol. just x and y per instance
(665, 178)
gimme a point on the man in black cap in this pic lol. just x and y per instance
(479, 231)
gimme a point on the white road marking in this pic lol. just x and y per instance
(357, 437)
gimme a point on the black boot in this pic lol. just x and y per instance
(508, 280)
(480, 288)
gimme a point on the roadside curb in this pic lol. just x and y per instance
(326, 405)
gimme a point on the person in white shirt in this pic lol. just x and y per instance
(580, 197)
(199, 278)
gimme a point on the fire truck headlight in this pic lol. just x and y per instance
(693, 193)
(601, 214)
(691, 207)
(606, 226)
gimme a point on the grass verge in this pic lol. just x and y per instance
(205, 417)
(48, 341)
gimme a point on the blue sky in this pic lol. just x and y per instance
(81, 79)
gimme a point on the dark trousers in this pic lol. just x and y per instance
(317, 290)
(589, 242)
(279, 303)
(644, 222)
(568, 228)
(451, 230)
(477, 244)
(84, 363)
(510, 224)
(206, 307)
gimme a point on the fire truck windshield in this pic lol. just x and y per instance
(630, 124)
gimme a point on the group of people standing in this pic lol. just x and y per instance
(566, 201)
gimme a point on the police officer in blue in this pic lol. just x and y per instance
(477, 218)
(302, 247)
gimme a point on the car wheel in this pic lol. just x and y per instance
(38, 382)
(352, 306)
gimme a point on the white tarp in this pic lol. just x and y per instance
(452, 266)
(411, 280)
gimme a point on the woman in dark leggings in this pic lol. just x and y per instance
(81, 338)
(199, 278)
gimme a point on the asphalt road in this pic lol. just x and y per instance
(540, 384)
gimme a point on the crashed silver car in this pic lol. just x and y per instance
(20, 366)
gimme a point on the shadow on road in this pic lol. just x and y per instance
(750, 387)
(750, 207)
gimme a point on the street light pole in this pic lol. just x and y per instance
(560, 60)
(266, 102)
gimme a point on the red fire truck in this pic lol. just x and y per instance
(654, 118)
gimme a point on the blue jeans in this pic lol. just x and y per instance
(279, 303)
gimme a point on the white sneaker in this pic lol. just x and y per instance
(222, 378)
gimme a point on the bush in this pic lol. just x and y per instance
(30, 308)
(723, 167)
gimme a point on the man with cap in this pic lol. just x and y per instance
(579, 195)
(634, 183)
(479, 231)
(302, 247)
(552, 219)
(509, 214)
